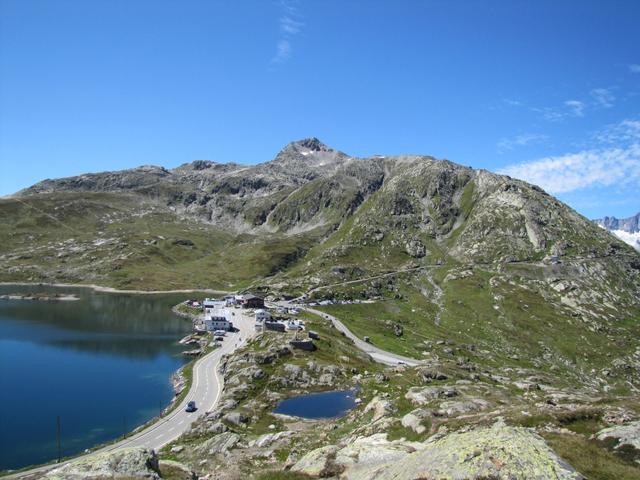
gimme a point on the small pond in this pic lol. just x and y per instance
(319, 405)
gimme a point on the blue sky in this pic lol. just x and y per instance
(548, 91)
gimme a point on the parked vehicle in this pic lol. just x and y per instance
(219, 339)
(191, 406)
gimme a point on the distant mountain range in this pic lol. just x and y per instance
(626, 229)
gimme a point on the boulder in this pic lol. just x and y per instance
(424, 395)
(428, 375)
(625, 437)
(362, 453)
(415, 248)
(237, 418)
(218, 444)
(217, 427)
(453, 408)
(176, 471)
(380, 408)
(498, 452)
(414, 419)
(125, 463)
(269, 438)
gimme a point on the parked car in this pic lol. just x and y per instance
(219, 339)
(191, 406)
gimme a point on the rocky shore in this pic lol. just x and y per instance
(40, 297)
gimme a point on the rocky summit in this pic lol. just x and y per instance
(517, 318)
(626, 229)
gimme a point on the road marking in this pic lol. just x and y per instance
(159, 436)
(171, 429)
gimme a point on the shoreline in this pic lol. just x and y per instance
(100, 288)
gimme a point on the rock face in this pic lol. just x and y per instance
(126, 463)
(623, 437)
(497, 452)
(360, 455)
(629, 225)
(626, 229)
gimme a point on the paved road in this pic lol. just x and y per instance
(376, 353)
(206, 388)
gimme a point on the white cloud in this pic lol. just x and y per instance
(513, 103)
(634, 68)
(290, 26)
(603, 97)
(283, 51)
(575, 171)
(576, 107)
(570, 108)
(624, 132)
(507, 144)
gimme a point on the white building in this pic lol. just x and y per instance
(213, 304)
(217, 319)
(295, 325)
(262, 316)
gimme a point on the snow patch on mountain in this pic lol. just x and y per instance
(632, 239)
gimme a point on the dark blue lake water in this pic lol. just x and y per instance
(102, 364)
(318, 405)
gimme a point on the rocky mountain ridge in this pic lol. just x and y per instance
(626, 229)
(629, 225)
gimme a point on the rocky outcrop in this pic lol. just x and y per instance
(425, 395)
(623, 437)
(126, 463)
(360, 455)
(176, 471)
(497, 452)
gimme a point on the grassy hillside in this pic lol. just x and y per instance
(129, 241)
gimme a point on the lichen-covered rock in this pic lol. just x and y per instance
(362, 453)
(218, 444)
(380, 408)
(424, 395)
(414, 419)
(269, 438)
(451, 408)
(499, 452)
(176, 471)
(125, 463)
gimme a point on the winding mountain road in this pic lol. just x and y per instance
(377, 354)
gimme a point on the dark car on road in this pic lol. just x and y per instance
(191, 406)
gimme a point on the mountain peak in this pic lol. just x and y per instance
(312, 144)
(308, 153)
(308, 146)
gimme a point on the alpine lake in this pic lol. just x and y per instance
(99, 366)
